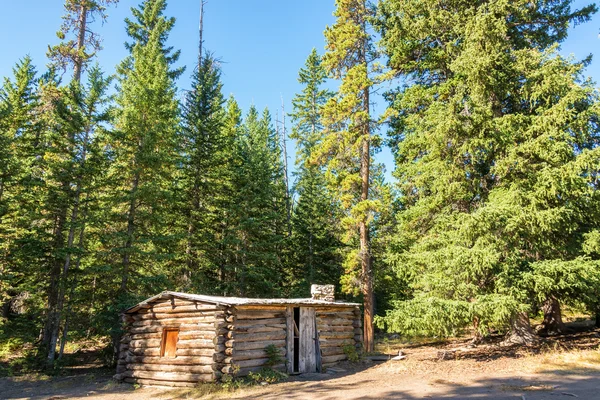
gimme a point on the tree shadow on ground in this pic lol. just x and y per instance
(550, 385)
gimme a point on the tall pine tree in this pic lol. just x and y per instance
(349, 142)
(144, 153)
(315, 245)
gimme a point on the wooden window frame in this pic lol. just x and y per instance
(163, 341)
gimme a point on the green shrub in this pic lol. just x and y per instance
(351, 353)
(267, 375)
(273, 355)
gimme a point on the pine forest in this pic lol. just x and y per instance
(118, 185)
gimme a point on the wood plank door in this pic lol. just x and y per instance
(307, 361)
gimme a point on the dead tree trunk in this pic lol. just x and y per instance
(553, 323)
(520, 331)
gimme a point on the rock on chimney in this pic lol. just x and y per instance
(322, 292)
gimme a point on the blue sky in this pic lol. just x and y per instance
(262, 43)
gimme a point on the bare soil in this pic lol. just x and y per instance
(564, 367)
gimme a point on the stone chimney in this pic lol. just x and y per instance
(322, 292)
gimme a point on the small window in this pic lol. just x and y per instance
(168, 347)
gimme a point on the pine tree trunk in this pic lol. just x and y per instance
(553, 323)
(50, 332)
(520, 331)
(81, 27)
(365, 251)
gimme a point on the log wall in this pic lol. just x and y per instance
(200, 344)
(338, 327)
(251, 330)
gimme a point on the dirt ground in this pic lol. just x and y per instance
(563, 368)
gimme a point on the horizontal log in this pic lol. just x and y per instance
(256, 362)
(332, 351)
(335, 321)
(333, 358)
(239, 355)
(196, 344)
(134, 344)
(237, 345)
(195, 352)
(334, 342)
(260, 307)
(263, 321)
(340, 308)
(335, 328)
(182, 328)
(151, 316)
(337, 335)
(191, 369)
(150, 382)
(358, 338)
(173, 301)
(259, 336)
(334, 314)
(257, 328)
(153, 351)
(197, 335)
(357, 323)
(183, 309)
(149, 335)
(184, 303)
(200, 321)
(259, 315)
(184, 360)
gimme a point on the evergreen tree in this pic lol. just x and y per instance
(206, 150)
(496, 146)
(315, 247)
(349, 142)
(23, 242)
(77, 47)
(144, 154)
(260, 214)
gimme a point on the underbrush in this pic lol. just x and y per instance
(18, 354)
(230, 384)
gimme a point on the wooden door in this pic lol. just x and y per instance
(307, 360)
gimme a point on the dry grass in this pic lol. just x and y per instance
(582, 361)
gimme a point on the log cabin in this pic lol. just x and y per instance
(180, 339)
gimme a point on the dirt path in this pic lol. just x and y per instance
(491, 372)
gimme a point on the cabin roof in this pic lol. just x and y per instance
(235, 301)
